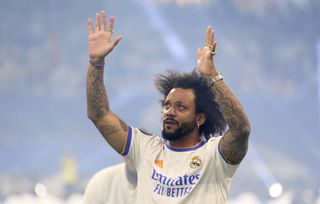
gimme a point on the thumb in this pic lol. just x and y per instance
(116, 41)
(200, 52)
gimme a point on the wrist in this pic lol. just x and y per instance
(207, 74)
(212, 77)
(215, 79)
(97, 62)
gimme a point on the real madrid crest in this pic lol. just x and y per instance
(195, 162)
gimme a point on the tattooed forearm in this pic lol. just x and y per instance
(97, 102)
(111, 127)
(231, 108)
(112, 131)
(234, 144)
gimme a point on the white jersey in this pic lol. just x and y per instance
(110, 186)
(171, 175)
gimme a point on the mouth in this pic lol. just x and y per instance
(170, 123)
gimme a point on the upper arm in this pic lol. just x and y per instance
(113, 129)
(234, 145)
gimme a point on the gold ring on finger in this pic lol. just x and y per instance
(110, 30)
(209, 46)
(213, 52)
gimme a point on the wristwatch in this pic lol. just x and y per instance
(219, 77)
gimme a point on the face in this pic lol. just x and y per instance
(179, 115)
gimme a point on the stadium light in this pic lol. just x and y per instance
(40, 190)
(275, 190)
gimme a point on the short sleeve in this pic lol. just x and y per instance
(139, 144)
(226, 169)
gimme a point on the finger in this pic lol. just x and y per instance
(215, 45)
(207, 36)
(110, 24)
(104, 20)
(201, 54)
(97, 22)
(212, 36)
(117, 40)
(90, 26)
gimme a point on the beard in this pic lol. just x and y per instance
(183, 130)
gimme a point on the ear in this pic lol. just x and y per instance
(200, 119)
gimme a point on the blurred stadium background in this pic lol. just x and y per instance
(268, 51)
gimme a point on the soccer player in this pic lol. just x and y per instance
(205, 129)
(114, 184)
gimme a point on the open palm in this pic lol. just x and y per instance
(100, 42)
(205, 61)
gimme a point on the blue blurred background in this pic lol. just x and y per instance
(268, 52)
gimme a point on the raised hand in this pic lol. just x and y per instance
(205, 61)
(100, 43)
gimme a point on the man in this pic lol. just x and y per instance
(115, 184)
(188, 165)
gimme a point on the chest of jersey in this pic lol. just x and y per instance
(174, 174)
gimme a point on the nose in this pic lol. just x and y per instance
(169, 111)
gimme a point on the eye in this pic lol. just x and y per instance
(181, 107)
(166, 105)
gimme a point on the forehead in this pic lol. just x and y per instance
(182, 95)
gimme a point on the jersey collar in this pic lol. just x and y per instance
(184, 149)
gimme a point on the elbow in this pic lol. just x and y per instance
(245, 130)
(93, 117)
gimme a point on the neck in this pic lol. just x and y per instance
(190, 140)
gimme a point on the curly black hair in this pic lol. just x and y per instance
(204, 98)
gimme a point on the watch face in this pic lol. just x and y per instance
(218, 77)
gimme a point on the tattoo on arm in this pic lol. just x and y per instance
(108, 130)
(123, 125)
(96, 93)
(112, 131)
(234, 143)
(112, 128)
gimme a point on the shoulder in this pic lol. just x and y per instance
(146, 139)
(145, 132)
(212, 144)
(214, 140)
(108, 172)
(141, 133)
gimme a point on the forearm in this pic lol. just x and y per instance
(111, 127)
(234, 144)
(231, 108)
(97, 100)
